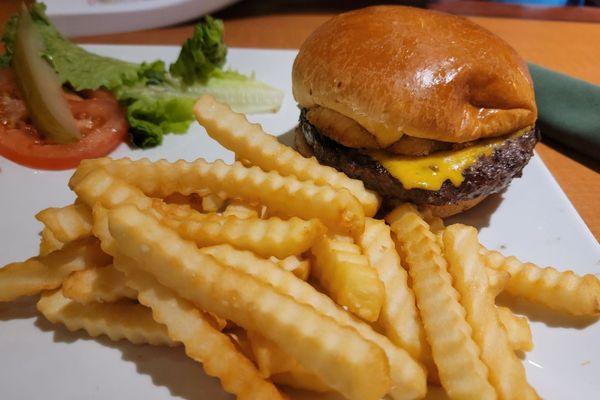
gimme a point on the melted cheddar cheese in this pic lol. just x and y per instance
(431, 171)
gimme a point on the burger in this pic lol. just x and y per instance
(422, 106)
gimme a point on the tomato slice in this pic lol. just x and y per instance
(99, 117)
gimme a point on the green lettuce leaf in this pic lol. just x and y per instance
(202, 53)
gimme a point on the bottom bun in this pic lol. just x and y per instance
(442, 211)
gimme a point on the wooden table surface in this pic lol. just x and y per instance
(569, 47)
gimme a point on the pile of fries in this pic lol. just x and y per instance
(273, 272)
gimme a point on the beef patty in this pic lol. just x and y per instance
(489, 174)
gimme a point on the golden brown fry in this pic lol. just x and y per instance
(284, 196)
(270, 237)
(97, 285)
(193, 200)
(274, 363)
(48, 272)
(250, 142)
(294, 264)
(68, 223)
(49, 243)
(517, 329)
(211, 203)
(203, 343)
(123, 320)
(507, 374)
(497, 280)
(399, 317)
(347, 277)
(343, 359)
(408, 377)
(462, 374)
(241, 209)
(561, 291)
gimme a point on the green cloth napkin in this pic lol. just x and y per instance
(569, 110)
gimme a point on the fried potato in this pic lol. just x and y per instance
(97, 285)
(295, 265)
(462, 374)
(399, 317)
(203, 343)
(268, 237)
(408, 377)
(239, 208)
(123, 320)
(344, 360)
(274, 363)
(497, 280)
(517, 329)
(283, 196)
(68, 223)
(193, 200)
(212, 203)
(506, 373)
(250, 142)
(49, 243)
(347, 277)
(561, 291)
(48, 272)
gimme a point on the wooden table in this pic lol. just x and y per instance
(569, 47)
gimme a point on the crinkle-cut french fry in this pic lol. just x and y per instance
(347, 277)
(49, 243)
(273, 362)
(284, 196)
(408, 377)
(497, 280)
(97, 285)
(561, 291)
(193, 200)
(294, 264)
(122, 320)
(506, 373)
(48, 272)
(68, 223)
(344, 360)
(462, 374)
(399, 317)
(250, 142)
(212, 203)
(265, 237)
(517, 329)
(191, 327)
(241, 209)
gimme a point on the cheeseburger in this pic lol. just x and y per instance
(423, 107)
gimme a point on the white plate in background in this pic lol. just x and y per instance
(533, 220)
(98, 17)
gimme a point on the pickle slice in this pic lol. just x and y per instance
(40, 85)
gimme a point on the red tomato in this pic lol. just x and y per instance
(99, 117)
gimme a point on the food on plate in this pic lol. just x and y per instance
(60, 104)
(462, 373)
(559, 290)
(116, 320)
(202, 342)
(47, 272)
(250, 143)
(140, 256)
(399, 317)
(517, 329)
(346, 276)
(423, 107)
(97, 285)
(506, 373)
(283, 195)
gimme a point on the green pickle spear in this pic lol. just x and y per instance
(40, 86)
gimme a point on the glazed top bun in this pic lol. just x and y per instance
(400, 70)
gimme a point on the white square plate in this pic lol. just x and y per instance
(533, 220)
